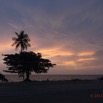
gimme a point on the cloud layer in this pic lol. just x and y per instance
(68, 32)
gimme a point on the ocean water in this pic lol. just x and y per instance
(15, 78)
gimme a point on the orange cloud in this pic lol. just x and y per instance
(57, 51)
(86, 53)
(85, 59)
(54, 52)
(71, 63)
(68, 63)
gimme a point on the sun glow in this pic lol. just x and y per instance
(80, 57)
(5, 47)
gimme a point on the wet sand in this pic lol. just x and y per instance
(83, 91)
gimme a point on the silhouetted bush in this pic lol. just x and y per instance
(2, 78)
(101, 78)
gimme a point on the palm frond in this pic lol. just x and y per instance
(21, 41)
(17, 46)
(14, 38)
(17, 34)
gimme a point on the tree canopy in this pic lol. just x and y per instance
(24, 63)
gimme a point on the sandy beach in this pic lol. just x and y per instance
(83, 91)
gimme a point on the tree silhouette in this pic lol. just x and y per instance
(26, 62)
(22, 40)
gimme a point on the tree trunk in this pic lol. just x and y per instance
(27, 76)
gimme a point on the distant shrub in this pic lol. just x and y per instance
(101, 78)
(2, 78)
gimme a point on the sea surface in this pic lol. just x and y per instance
(15, 78)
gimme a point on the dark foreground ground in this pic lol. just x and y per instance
(88, 91)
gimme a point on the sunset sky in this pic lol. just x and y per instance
(68, 32)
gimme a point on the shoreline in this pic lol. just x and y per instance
(15, 78)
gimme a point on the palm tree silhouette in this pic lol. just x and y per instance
(22, 40)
